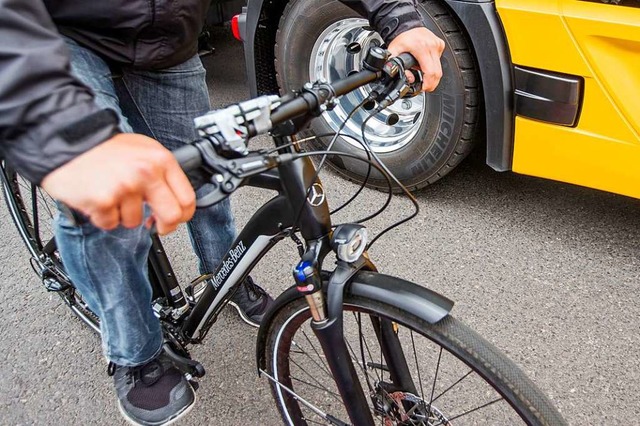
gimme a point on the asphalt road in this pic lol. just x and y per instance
(546, 271)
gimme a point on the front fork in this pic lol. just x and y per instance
(327, 326)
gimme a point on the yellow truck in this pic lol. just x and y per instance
(550, 87)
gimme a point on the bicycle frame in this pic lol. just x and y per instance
(270, 224)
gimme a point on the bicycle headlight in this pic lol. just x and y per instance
(349, 241)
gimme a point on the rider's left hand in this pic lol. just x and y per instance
(427, 48)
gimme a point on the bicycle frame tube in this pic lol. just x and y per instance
(262, 232)
(164, 277)
(301, 204)
(267, 226)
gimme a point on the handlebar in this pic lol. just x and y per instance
(188, 157)
(247, 119)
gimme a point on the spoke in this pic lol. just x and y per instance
(335, 395)
(453, 385)
(312, 421)
(470, 411)
(319, 385)
(435, 378)
(324, 364)
(297, 397)
(24, 184)
(363, 340)
(353, 354)
(43, 197)
(415, 356)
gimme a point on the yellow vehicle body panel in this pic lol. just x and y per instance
(600, 43)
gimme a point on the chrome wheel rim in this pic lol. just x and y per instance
(339, 51)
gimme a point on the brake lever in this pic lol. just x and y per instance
(399, 90)
(229, 174)
(386, 94)
(223, 182)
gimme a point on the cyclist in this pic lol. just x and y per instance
(92, 143)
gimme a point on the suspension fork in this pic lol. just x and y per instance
(327, 325)
(307, 197)
(393, 354)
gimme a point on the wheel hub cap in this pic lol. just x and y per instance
(338, 52)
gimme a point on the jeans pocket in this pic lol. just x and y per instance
(65, 222)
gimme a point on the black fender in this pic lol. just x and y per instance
(483, 25)
(413, 298)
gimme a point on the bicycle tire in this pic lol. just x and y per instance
(34, 222)
(524, 399)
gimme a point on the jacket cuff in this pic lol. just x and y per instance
(60, 138)
(404, 17)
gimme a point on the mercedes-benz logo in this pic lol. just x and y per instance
(316, 195)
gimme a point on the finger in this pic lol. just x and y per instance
(106, 219)
(395, 50)
(131, 211)
(181, 187)
(164, 205)
(410, 77)
(431, 72)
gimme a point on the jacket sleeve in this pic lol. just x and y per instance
(47, 117)
(389, 17)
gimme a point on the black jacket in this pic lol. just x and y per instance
(47, 117)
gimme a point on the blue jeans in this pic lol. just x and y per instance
(110, 268)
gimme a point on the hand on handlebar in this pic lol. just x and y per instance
(427, 48)
(110, 183)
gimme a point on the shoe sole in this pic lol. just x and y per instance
(244, 316)
(177, 416)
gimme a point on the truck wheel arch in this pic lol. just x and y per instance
(480, 21)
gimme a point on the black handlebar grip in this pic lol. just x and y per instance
(408, 60)
(190, 159)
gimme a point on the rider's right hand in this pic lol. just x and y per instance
(427, 48)
(110, 183)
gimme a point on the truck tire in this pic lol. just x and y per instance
(434, 132)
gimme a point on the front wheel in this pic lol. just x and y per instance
(442, 374)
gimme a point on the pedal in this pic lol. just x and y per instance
(185, 365)
(51, 282)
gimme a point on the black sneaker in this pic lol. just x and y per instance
(251, 302)
(152, 394)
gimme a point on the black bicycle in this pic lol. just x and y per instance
(345, 344)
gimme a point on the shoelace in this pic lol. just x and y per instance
(142, 373)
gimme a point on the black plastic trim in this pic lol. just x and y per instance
(482, 23)
(548, 96)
